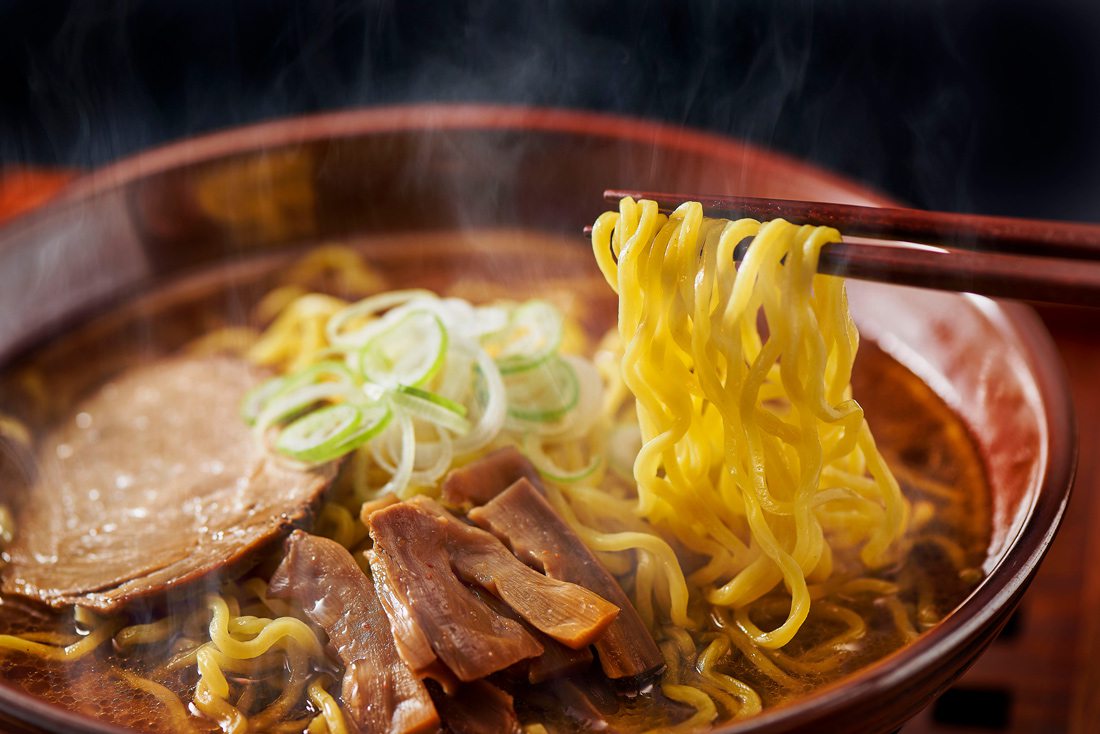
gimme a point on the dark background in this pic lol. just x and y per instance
(980, 105)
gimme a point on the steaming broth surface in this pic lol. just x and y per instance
(929, 448)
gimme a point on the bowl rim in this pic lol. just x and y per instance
(1014, 320)
(311, 128)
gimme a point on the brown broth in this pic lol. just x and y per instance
(928, 445)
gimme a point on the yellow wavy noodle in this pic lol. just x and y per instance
(700, 367)
(290, 693)
(51, 637)
(177, 714)
(276, 301)
(145, 634)
(263, 634)
(343, 266)
(283, 649)
(337, 522)
(740, 699)
(760, 465)
(826, 656)
(679, 654)
(694, 679)
(297, 337)
(210, 697)
(241, 639)
(330, 719)
(899, 615)
(67, 653)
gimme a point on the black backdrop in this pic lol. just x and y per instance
(979, 105)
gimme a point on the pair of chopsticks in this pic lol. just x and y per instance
(1049, 262)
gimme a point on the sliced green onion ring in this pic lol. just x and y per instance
(490, 321)
(433, 459)
(457, 379)
(575, 424)
(490, 405)
(435, 409)
(256, 399)
(316, 372)
(532, 337)
(334, 329)
(289, 403)
(440, 400)
(542, 393)
(331, 432)
(376, 416)
(550, 469)
(403, 471)
(409, 352)
(314, 436)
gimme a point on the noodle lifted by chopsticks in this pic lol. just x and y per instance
(754, 455)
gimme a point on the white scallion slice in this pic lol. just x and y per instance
(543, 393)
(409, 352)
(433, 459)
(533, 336)
(313, 436)
(369, 308)
(331, 432)
(330, 370)
(490, 321)
(552, 470)
(435, 409)
(575, 424)
(491, 406)
(256, 399)
(403, 471)
(334, 375)
(283, 397)
(291, 402)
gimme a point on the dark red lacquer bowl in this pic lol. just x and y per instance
(412, 169)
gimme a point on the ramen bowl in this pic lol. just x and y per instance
(228, 203)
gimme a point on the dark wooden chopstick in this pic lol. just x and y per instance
(945, 229)
(1051, 262)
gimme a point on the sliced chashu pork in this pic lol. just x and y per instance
(154, 483)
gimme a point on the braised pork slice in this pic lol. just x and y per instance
(378, 690)
(421, 557)
(480, 481)
(525, 521)
(155, 482)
